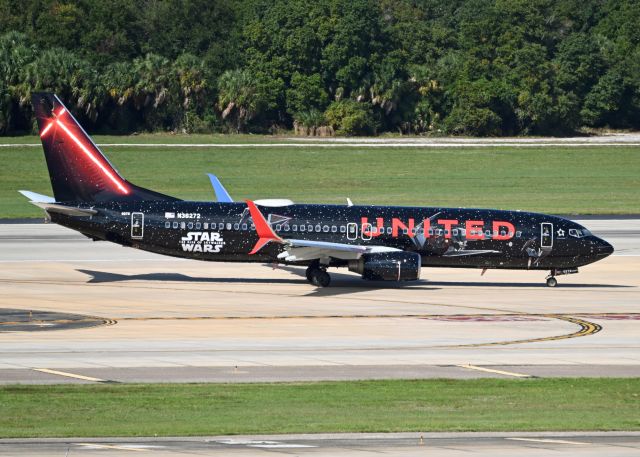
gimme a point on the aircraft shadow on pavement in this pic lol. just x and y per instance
(340, 283)
(106, 277)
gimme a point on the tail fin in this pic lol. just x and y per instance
(79, 171)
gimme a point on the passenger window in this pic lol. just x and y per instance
(455, 232)
(183, 225)
(244, 226)
(198, 225)
(287, 228)
(318, 228)
(389, 230)
(343, 229)
(236, 226)
(303, 228)
(325, 229)
(190, 225)
(167, 224)
(228, 225)
(294, 228)
(175, 225)
(205, 226)
(488, 233)
(309, 228)
(430, 232)
(518, 234)
(278, 228)
(334, 229)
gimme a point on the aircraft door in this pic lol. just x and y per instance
(137, 226)
(352, 231)
(365, 233)
(546, 235)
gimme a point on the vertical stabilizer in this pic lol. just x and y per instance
(78, 169)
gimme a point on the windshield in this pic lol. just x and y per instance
(579, 233)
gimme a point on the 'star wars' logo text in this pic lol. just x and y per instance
(202, 242)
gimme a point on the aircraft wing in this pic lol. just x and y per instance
(221, 193)
(299, 250)
(470, 252)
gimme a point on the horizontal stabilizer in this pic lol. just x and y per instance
(64, 209)
(34, 197)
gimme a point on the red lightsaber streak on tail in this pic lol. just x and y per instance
(46, 129)
(93, 158)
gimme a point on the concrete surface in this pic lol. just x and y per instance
(583, 444)
(164, 319)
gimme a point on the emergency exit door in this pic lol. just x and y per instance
(137, 226)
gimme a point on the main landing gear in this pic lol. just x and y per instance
(318, 276)
(551, 279)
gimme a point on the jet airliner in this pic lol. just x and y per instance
(388, 243)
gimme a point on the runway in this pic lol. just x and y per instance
(78, 311)
(611, 444)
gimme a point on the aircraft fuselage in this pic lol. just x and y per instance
(445, 237)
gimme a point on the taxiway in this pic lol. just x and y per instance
(74, 310)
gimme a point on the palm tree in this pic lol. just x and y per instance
(237, 97)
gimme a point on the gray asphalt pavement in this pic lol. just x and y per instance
(582, 444)
(72, 310)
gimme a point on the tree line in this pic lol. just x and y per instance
(352, 67)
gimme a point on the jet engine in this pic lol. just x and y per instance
(388, 266)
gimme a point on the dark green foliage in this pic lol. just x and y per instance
(472, 67)
(349, 117)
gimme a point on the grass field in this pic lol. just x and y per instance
(365, 406)
(573, 180)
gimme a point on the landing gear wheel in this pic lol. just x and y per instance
(552, 282)
(318, 277)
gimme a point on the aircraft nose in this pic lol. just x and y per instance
(602, 248)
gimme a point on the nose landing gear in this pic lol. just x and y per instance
(318, 276)
(551, 279)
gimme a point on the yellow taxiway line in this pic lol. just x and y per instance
(69, 375)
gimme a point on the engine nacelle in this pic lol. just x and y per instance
(388, 266)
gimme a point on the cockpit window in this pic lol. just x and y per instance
(579, 233)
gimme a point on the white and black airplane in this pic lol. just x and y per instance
(388, 243)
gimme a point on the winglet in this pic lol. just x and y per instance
(221, 193)
(264, 230)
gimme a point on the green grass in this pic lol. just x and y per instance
(589, 180)
(365, 406)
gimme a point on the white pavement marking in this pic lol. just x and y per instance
(490, 370)
(547, 440)
(69, 375)
(280, 446)
(263, 444)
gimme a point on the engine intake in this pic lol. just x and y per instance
(388, 266)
